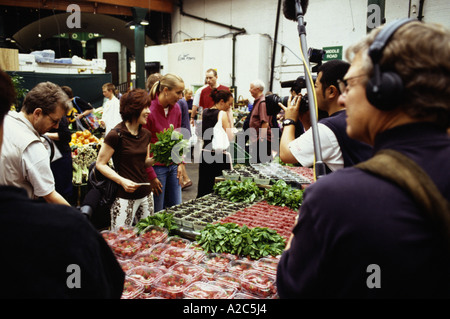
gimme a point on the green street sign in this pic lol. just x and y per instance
(332, 53)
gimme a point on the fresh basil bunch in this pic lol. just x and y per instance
(230, 238)
(235, 191)
(282, 194)
(160, 219)
(170, 143)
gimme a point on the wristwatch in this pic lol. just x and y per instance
(287, 122)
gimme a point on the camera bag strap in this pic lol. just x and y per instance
(404, 172)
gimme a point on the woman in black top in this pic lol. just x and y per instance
(128, 144)
(212, 163)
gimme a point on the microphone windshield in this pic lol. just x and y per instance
(289, 10)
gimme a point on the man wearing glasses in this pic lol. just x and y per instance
(25, 159)
(362, 231)
(338, 150)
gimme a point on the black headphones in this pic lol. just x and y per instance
(384, 89)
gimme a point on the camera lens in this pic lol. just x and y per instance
(304, 104)
(272, 106)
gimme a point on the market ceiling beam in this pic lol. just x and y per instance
(112, 7)
(154, 5)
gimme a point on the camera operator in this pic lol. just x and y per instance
(338, 150)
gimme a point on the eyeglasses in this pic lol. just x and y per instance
(55, 122)
(343, 84)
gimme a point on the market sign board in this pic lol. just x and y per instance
(186, 60)
(333, 53)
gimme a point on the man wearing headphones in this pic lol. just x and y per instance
(375, 235)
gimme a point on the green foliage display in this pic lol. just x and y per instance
(230, 238)
(236, 191)
(170, 147)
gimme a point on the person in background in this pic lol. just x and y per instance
(152, 79)
(165, 111)
(24, 157)
(205, 100)
(129, 146)
(117, 94)
(111, 108)
(188, 94)
(214, 161)
(55, 245)
(80, 107)
(338, 149)
(260, 124)
(186, 125)
(372, 238)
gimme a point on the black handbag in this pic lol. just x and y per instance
(107, 187)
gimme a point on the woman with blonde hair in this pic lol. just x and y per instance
(164, 111)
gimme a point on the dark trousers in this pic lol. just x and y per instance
(207, 172)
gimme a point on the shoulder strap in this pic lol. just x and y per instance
(404, 172)
(119, 133)
(52, 146)
(76, 105)
(220, 114)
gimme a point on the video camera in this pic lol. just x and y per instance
(315, 56)
(297, 85)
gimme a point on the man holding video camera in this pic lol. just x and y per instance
(338, 150)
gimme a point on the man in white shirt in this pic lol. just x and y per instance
(338, 150)
(111, 108)
(25, 159)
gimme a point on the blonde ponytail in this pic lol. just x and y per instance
(169, 81)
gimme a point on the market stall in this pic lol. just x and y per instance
(225, 245)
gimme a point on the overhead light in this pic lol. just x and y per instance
(144, 22)
(130, 25)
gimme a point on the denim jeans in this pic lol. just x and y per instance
(171, 188)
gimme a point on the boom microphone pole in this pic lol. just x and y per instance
(294, 10)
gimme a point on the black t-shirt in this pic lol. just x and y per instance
(130, 153)
(53, 251)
